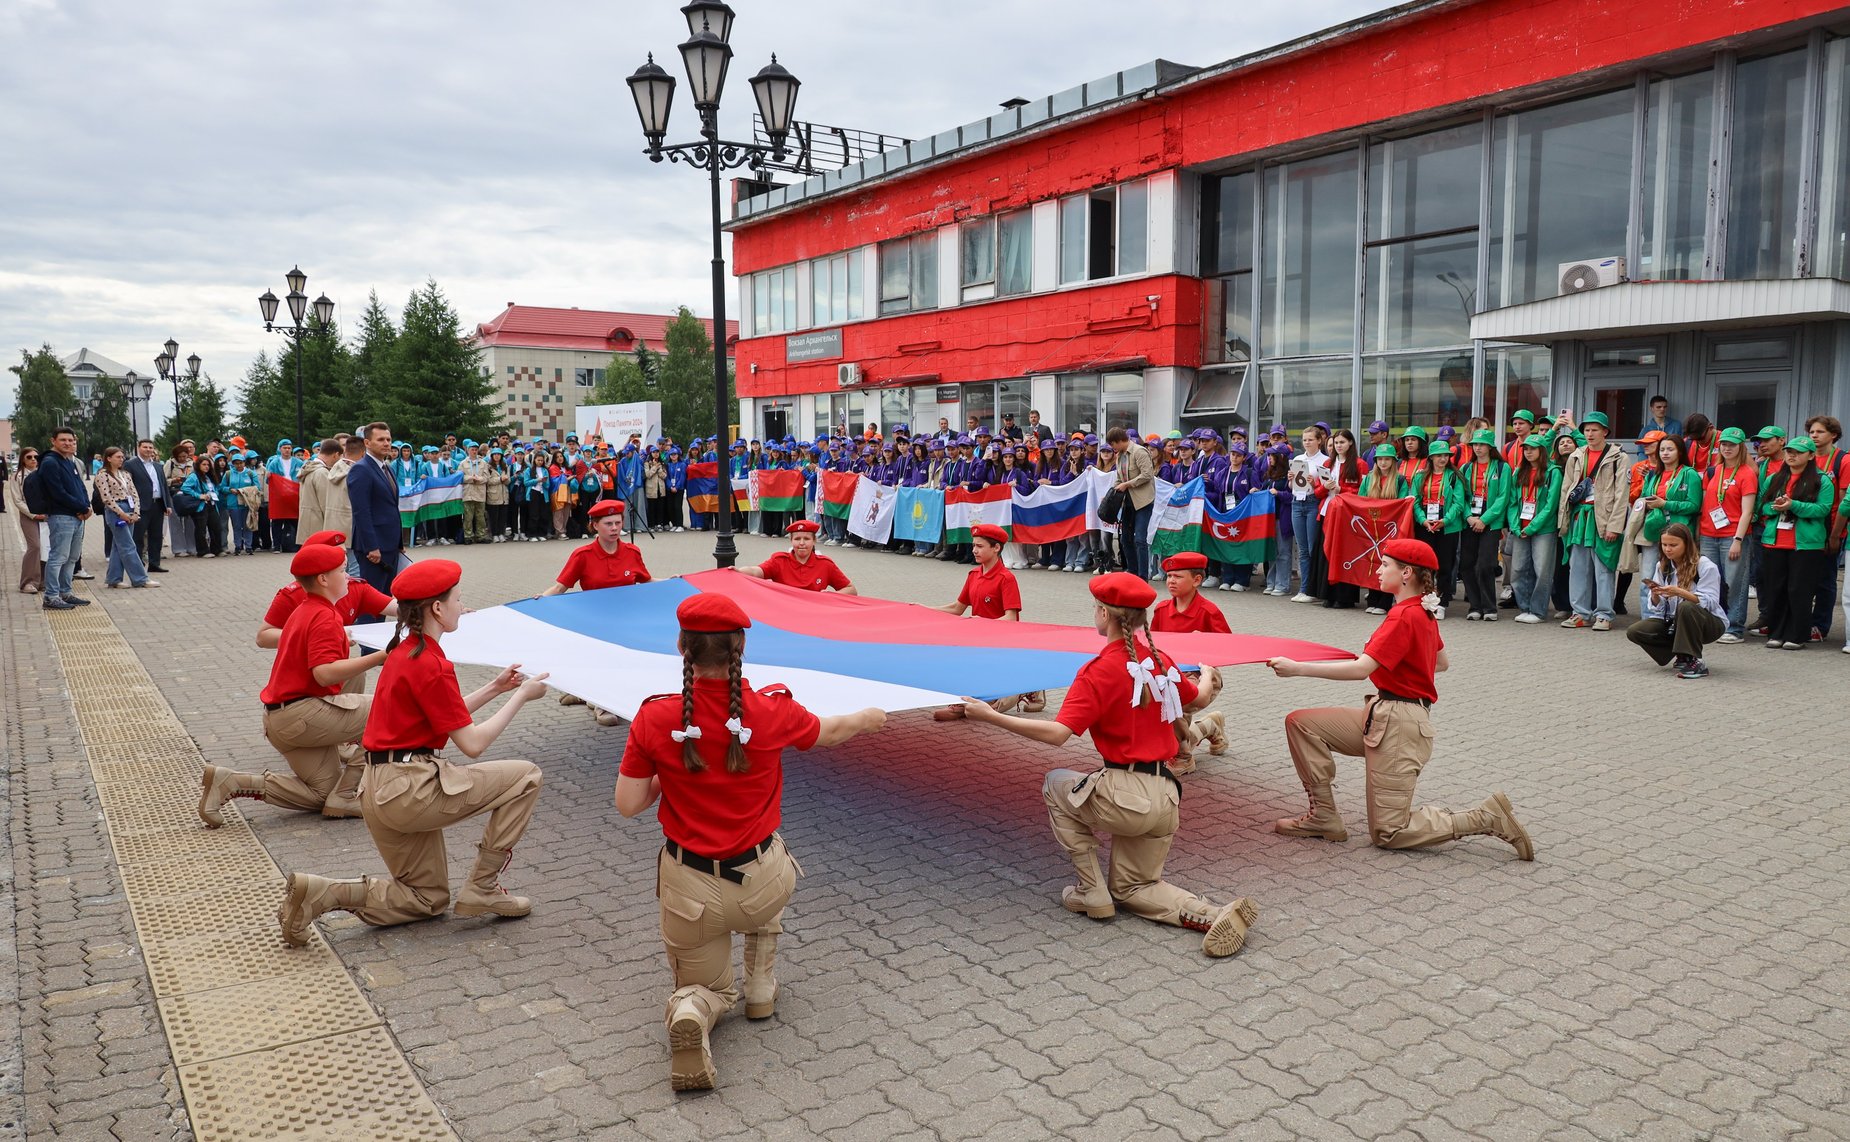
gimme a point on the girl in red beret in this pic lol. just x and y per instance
(606, 561)
(1392, 730)
(714, 757)
(801, 567)
(412, 793)
(1130, 699)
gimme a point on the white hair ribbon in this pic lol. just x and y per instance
(1163, 687)
(739, 730)
(1431, 605)
(681, 735)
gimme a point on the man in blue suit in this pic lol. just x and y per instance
(377, 539)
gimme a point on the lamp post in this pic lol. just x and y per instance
(168, 364)
(138, 389)
(298, 306)
(705, 55)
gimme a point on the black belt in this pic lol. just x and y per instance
(394, 756)
(1154, 768)
(274, 706)
(1390, 696)
(726, 868)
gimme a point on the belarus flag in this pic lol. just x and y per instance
(1246, 533)
(964, 509)
(837, 493)
(1050, 514)
(777, 490)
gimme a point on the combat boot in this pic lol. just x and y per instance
(1224, 931)
(1495, 817)
(482, 894)
(1034, 703)
(1321, 821)
(1182, 764)
(690, 1065)
(218, 785)
(760, 984)
(306, 897)
(1090, 896)
(344, 801)
(1209, 726)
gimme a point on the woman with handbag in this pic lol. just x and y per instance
(122, 511)
(29, 508)
(202, 490)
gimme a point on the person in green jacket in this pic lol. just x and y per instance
(1795, 503)
(1384, 482)
(1439, 517)
(1487, 489)
(1672, 493)
(1534, 505)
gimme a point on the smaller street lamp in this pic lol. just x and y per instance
(297, 297)
(167, 363)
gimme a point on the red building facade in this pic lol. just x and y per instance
(1379, 220)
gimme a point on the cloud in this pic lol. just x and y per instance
(169, 162)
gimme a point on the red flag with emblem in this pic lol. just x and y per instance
(1354, 529)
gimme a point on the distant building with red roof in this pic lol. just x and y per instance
(549, 360)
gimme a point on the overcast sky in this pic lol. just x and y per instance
(165, 163)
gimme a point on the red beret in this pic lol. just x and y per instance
(1123, 589)
(802, 525)
(316, 558)
(333, 537)
(1410, 552)
(426, 579)
(602, 508)
(990, 532)
(1186, 561)
(711, 614)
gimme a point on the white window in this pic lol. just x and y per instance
(1105, 233)
(835, 289)
(977, 258)
(774, 301)
(909, 274)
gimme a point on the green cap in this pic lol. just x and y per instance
(1524, 414)
(1535, 440)
(1174, 434)
(1772, 432)
(1598, 418)
(1484, 436)
(1801, 444)
(1733, 436)
(1415, 430)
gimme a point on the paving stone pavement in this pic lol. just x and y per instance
(1674, 964)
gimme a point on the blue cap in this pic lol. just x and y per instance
(963, 440)
(237, 457)
(1091, 438)
(1277, 430)
(936, 445)
(1237, 430)
(428, 448)
(1377, 426)
(285, 440)
(1446, 432)
(1238, 448)
(984, 431)
(1322, 424)
(738, 444)
(467, 443)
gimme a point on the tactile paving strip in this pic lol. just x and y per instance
(348, 1086)
(270, 1041)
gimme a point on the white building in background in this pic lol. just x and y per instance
(90, 373)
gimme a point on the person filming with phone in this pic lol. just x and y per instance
(1683, 609)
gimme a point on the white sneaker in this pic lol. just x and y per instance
(1439, 615)
(1211, 582)
(1226, 586)
(1507, 594)
(1528, 618)
(1301, 597)
(1753, 592)
(1239, 587)
(1490, 616)
(1731, 639)
(1472, 616)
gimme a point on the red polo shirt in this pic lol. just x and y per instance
(1202, 617)
(715, 813)
(362, 598)
(313, 636)
(1406, 648)
(990, 594)
(818, 574)
(417, 701)
(592, 569)
(1099, 703)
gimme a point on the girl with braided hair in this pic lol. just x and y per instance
(1130, 699)
(411, 793)
(713, 754)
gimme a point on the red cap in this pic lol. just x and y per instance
(333, 537)
(1186, 561)
(602, 508)
(316, 558)
(1123, 589)
(1410, 552)
(711, 614)
(426, 579)
(802, 525)
(990, 532)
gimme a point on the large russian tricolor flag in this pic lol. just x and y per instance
(837, 653)
(1049, 514)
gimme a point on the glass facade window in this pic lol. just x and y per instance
(1427, 389)
(980, 402)
(1079, 406)
(1309, 258)
(1133, 228)
(1104, 233)
(1122, 395)
(1764, 171)
(1014, 253)
(924, 409)
(1679, 121)
(774, 301)
(1227, 223)
(895, 408)
(1425, 184)
(1073, 239)
(1831, 257)
(1526, 376)
(1016, 397)
(909, 274)
(835, 289)
(1228, 324)
(1421, 292)
(1560, 177)
(977, 250)
(1304, 393)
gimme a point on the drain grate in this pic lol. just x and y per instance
(260, 1016)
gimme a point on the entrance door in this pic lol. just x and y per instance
(1749, 400)
(776, 423)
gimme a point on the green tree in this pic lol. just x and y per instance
(630, 377)
(267, 403)
(372, 376)
(200, 417)
(43, 400)
(681, 378)
(327, 372)
(437, 385)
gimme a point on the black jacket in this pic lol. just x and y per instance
(62, 486)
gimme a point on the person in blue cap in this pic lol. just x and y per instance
(675, 466)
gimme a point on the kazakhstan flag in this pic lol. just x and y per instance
(919, 515)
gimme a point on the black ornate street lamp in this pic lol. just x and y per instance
(168, 363)
(298, 306)
(137, 389)
(706, 55)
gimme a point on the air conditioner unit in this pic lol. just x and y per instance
(1579, 277)
(847, 374)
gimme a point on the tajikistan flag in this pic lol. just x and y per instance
(965, 509)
